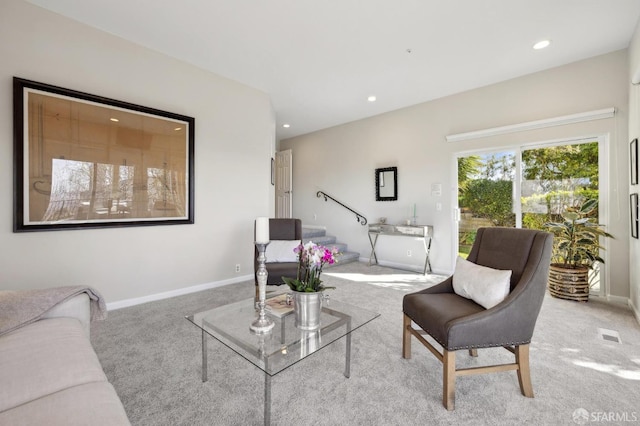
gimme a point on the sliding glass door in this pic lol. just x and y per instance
(485, 194)
(527, 187)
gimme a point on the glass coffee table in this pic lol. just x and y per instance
(285, 345)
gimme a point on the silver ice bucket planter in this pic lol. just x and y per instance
(307, 308)
(310, 342)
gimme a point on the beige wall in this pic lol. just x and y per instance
(341, 160)
(634, 132)
(234, 139)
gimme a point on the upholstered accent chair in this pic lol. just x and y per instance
(283, 233)
(457, 322)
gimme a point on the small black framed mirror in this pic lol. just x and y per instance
(387, 184)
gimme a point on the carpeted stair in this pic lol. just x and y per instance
(319, 236)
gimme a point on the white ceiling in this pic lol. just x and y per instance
(320, 60)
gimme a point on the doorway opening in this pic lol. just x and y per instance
(282, 179)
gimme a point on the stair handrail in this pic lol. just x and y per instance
(360, 218)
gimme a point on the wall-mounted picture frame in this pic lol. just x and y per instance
(633, 156)
(86, 161)
(273, 171)
(633, 204)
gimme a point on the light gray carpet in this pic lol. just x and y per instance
(152, 356)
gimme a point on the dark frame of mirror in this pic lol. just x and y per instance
(394, 197)
(25, 159)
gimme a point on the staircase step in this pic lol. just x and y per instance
(312, 233)
(325, 240)
(320, 237)
(346, 257)
(341, 247)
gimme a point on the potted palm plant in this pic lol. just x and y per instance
(576, 248)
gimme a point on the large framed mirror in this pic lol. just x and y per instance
(85, 161)
(387, 184)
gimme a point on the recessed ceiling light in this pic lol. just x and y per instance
(114, 119)
(371, 98)
(286, 126)
(541, 44)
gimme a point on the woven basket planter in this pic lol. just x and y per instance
(569, 283)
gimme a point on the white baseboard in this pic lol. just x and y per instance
(635, 309)
(173, 293)
(618, 299)
(403, 266)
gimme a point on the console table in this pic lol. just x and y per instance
(423, 232)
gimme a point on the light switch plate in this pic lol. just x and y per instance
(436, 189)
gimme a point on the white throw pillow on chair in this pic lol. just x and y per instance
(485, 286)
(282, 251)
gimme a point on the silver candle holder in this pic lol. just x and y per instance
(262, 324)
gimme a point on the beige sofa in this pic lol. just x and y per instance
(50, 374)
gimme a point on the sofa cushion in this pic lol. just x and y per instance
(94, 404)
(45, 357)
(485, 286)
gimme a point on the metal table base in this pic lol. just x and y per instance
(346, 321)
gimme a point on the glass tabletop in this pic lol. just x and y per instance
(285, 345)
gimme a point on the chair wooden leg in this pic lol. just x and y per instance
(448, 379)
(406, 338)
(524, 374)
(473, 352)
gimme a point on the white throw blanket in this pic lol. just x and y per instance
(22, 307)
